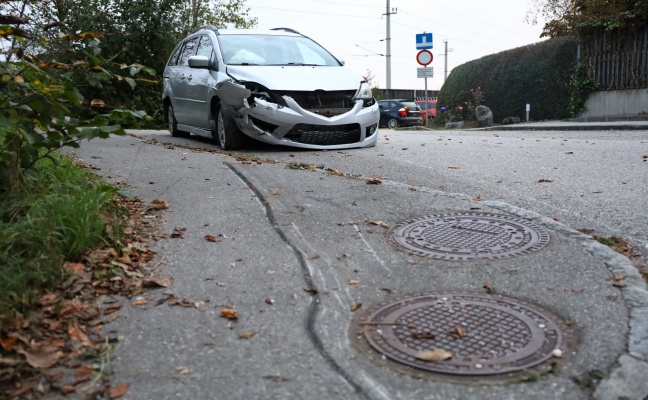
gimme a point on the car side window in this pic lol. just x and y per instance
(382, 106)
(188, 50)
(205, 47)
(174, 57)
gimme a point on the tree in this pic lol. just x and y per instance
(141, 32)
(586, 17)
(38, 96)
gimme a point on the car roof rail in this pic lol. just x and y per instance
(207, 27)
(286, 29)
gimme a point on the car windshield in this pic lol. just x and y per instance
(410, 104)
(273, 50)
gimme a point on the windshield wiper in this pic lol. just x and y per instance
(303, 64)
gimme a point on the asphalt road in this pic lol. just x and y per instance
(303, 266)
(585, 179)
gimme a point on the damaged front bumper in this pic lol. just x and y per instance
(290, 124)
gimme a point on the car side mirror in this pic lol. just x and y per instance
(198, 62)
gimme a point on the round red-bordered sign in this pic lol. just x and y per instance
(424, 57)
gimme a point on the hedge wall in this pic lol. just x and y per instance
(538, 74)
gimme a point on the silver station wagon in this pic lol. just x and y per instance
(275, 86)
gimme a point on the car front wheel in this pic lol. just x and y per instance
(392, 123)
(173, 124)
(229, 135)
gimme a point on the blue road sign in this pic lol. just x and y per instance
(423, 41)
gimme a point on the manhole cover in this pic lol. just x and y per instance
(468, 236)
(482, 335)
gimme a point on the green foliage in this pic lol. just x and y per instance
(36, 118)
(54, 218)
(141, 32)
(587, 17)
(537, 74)
(579, 89)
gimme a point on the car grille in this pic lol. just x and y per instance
(324, 135)
(321, 99)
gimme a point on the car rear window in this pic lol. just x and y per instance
(410, 104)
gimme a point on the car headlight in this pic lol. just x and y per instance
(363, 93)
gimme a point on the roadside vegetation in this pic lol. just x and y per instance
(71, 72)
(546, 75)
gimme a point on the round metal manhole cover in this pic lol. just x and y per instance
(465, 334)
(468, 236)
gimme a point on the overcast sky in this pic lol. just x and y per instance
(355, 31)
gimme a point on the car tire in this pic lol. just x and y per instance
(173, 124)
(229, 137)
(392, 123)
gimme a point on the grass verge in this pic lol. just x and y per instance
(69, 244)
(60, 213)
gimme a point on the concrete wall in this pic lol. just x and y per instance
(616, 105)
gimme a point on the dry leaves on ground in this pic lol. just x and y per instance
(66, 324)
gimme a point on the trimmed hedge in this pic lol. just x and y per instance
(537, 74)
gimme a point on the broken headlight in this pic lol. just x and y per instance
(364, 94)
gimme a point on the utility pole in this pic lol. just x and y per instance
(388, 40)
(445, 71)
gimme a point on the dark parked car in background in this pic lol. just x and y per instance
(396, 113)
(425, 106)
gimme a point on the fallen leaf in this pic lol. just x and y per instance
(48, 299)
(378, 223)
(544, 180)
(139, 302)
(7, 343)
(479, 198)
(246, 335)
(118, 391)
(374, 181)
(229, 314)
(112, 309)
(434, 355)
(84, 371)
(276, 378)
(211, 238)
(619, 285)
(270, 301)
(156, 282)
(41, 356)
(423, 335)
(455, 167)
(75, 266)
(356, 306)
(458, 332)
(353, 282)
(183, 370)
(618, 277)
(178, 233)
(489, 288)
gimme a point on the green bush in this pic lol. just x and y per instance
(537, 74)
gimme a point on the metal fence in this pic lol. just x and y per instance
(410, 94)
(618, 62)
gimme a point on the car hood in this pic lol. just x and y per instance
(297, 78)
